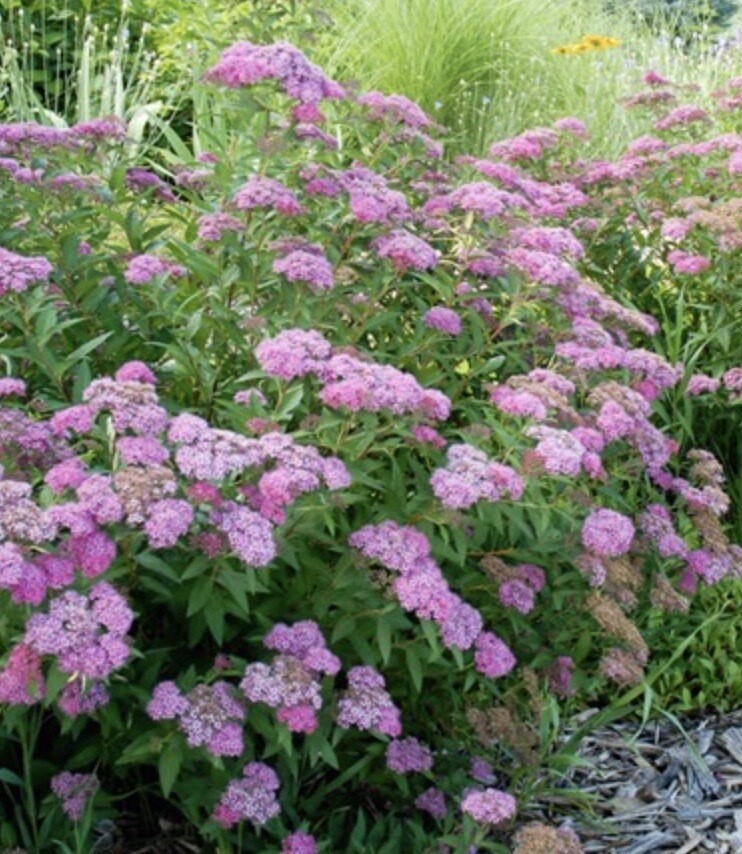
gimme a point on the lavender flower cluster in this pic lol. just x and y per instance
(251, 797)
(291, 683)
(18, 272)
(349, 382)
(44, 547)
(423, 590)
(245, 64)
(210, 716)
(470, 477)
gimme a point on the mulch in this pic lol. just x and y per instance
(669, 786)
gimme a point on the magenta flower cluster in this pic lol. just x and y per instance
(74, 791)
(422, 589)
(606, 533)
(210, 716)
(18, 273)
(489, 807)
(142, 269)
(85, 633)
(366, 704)
(469, 476)
(311, 267)
(262, 192)
(291, 683)
(406, 251)
(245, 64)
(252, 797)
(349, 382)
(404, 755)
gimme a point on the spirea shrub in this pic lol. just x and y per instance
(322, 459)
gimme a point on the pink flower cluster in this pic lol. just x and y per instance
(443, 319)
(299, 843)
(689, 265)
(74, 791)
(565, 452)
(293, 353)
(210, 716)
(530, 145)
(366, 704)
(245, 64)
(82, 697)
(10, 386)
(685, 114)
(21, 680)
(657, 526)
(86, 633)
(606, 533)
(354, 384)
(433, 802)
(349, 382)
(422, 589)
(251, 797)
(519, 591)
(469, 476)
(19, 272)
(404, 755)
(288, 471)
(534, 395)
(144, 180)
(307, 265)
(262, 192)
(212, 226)
(480, 198)
(489, 806)
(291, 682)
(406, 251)
(395, 108)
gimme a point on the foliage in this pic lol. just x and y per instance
(291, 429)
(466, 63)
(666, 207)
(684, 17)
(707, 676)
(59, 67)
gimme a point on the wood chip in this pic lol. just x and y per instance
(649, 843)
(732, 740)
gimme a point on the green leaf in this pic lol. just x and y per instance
(214, 614)
(200, 595)
(196, 568)
(414, 667)
(158, 565)
(169, 766)
(81, 352)
(7, 776)
(328, 754)
(234, 582)
(384, 638)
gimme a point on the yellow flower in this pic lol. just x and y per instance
(585, 45)
(600, 42)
